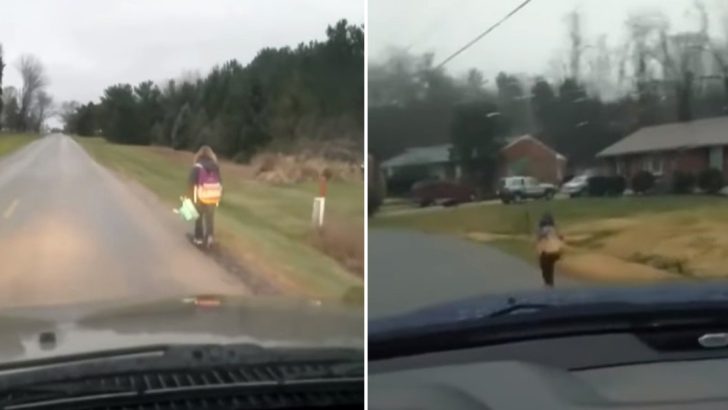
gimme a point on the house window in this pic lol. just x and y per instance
(620, 166)
(654, 164)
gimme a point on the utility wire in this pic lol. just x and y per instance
(483, 34)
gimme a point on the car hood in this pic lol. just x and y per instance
(574, 184)
(269, 322)
(467, 310)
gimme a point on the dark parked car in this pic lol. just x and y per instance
(433, 192)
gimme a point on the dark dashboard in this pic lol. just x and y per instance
(618, 371)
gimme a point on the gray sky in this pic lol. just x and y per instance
(87, 45)
(526, 43)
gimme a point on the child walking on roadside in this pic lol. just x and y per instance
(549, 244)
(205, 187)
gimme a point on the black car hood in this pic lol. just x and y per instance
(269, 322)
(468, 310)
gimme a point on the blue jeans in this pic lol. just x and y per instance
(205, 224)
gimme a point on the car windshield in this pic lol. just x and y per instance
(163, 159)
(607, 125)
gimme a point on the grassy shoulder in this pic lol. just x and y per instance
(619, 239)
(267, 227)
(12, 142)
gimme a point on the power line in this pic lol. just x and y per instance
(483, 34)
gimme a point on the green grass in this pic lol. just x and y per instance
(270, 224)
(521, 219)
(13, 142)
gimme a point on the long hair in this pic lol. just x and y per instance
(546, 220)
(205, 152)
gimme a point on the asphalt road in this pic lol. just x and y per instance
(409, 270)
(70, 231)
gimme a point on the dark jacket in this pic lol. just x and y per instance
(209, 165)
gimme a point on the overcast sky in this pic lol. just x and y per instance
(526, 43)
(87, 45)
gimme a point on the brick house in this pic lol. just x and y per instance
(523, 155)
(663, 149)
(527, 155)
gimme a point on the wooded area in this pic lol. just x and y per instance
(592, 97)
(282, 99)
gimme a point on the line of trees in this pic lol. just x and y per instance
(593, 96)
(25, 110)
(314, 92)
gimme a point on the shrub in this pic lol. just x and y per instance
(710, 180)
(642, 182)
(597, 186)
(683, 182)
(616, 185)
(400, 185)
(375, 202)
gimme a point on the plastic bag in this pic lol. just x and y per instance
(187, 210)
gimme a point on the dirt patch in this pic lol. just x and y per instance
(343, 243)
(591, 240)
(674, 265)
(687, 244)
(606, 268)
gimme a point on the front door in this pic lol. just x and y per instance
(716, 158)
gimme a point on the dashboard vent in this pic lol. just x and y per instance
(301, 385)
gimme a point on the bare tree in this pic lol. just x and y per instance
(719, 54)
(32, 73)
(41, 109)
(576, 44)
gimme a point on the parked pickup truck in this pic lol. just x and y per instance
(518, 188)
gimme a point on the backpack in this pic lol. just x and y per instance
(549, 241)
(208, 190)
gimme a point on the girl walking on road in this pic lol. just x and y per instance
(549, 245)
(205, 187)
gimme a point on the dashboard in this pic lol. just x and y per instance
(613, 371)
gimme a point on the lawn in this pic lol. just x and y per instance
(12, 142)
(607, 238)
(268, 228)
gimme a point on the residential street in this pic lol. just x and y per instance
(70, 231)
(409, 270)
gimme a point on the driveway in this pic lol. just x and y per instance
(408, 270)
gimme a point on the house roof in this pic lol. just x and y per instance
(438, 154)
(701, 133)
(515, 140)
(435, 154)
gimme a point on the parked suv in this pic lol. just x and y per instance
(431, 192)
(514, 189)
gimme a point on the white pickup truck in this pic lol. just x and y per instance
(518, 188)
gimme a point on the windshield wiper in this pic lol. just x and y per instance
(518, 308)
(532, 321)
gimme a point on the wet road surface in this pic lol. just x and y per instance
(70, 231)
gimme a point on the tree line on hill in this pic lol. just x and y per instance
(585, 103)
(283, 97)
